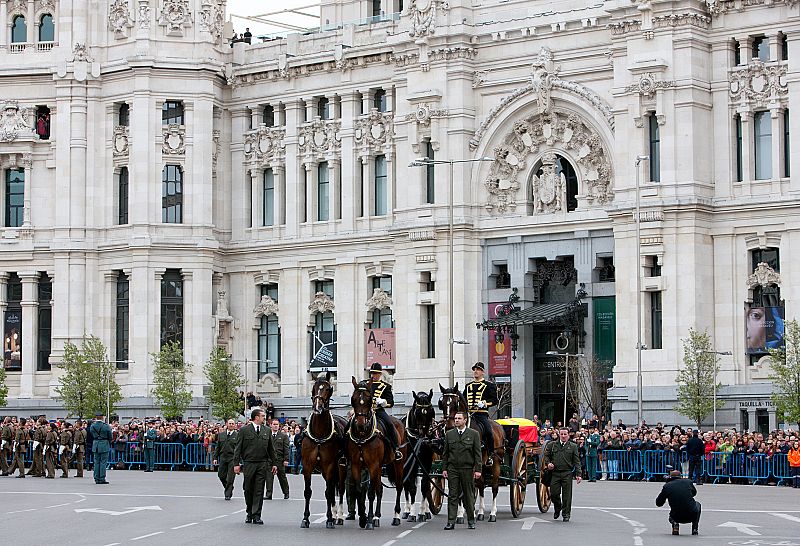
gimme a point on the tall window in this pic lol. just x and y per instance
(172, 307)
(45, 322)
(430, 194)
(382, 318)
(124, 114)
(269, 116)
(19, 30)
(323, 192)
(122, 197)
(379, 101)
(766, 296)
(784, 48)
(762, 130)
(122, 324)
(43, 122)
(269, 198)
(172, 194)
(15, 197)
(787, 156)
(655, 320)
(12, 333)
(325, 286)
(737, 124)
(737, 53)
(172, 113)
(47, 30)
(269, 338)
(375, 8)
(430, 331)
(324, 108)
(655, 148)
(381, 196)
(761, 48)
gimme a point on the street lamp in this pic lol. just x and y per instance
(639, 413)
(722, 353)
(566, 376)
(424, 162)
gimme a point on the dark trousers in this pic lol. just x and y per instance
(255, 477)
(695, 469)
(50, 461)
(19, 461)
(281, 478)
(149, 458)
(65, 457)
(37, 466)
(591, 467)
(79, 461)
(796, 475)
(694, 518)
(486, 430)
(561, 492)
(388, 428)
(100, 464)
(461, 489)
(4, 461)
(226, 476)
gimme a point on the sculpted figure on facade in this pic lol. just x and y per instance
(264, 146)
(763, 276)
(144, 14)
(81, 53)
(648, 84)
(423, 16)
(549, 187)
(544, 74)
(758, 84)
(379, 300)
(423, 114)
(121, 141)
(176, 15)
(322, 303)
(374, 132)
(212, 18)
(266, 307)
(119, 18)
(15, 119)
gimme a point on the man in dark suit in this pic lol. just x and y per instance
(223, 455)
(695, 449)
(462, 466)
(683, 508)
(281, 442)
(255, 451)
(102, 435)
(562, 459)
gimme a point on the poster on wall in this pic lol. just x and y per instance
(380, 344)
(499, 352)
(12, 340)
(605, 328)
(323, 352)
(763, 329)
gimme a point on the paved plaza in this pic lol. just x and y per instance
(188, 508)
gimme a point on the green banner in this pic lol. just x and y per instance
(605, 328)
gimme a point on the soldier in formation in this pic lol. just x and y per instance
(51, 450)
(65, 449)
(39, 432)
(6, 443)
(255, 455)
(79, 447)
(223, 455)
(281, 442)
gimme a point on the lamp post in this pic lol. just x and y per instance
(566, 376)
(721, 353)
(424, 162)
(639, 412)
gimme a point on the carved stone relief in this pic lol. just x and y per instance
(758, 84)
(119, 18)
(175, 16)
(648, 84)
(144, 14)
(212, 18)
(121, 141)
(174, 139)
(264, 146)
(319, 139)
(549, 188)
(266, 307)
(718, 7)
(374, 132)
(322, 303)
(215, 136)
(424, 113)
(379, 300)
(763, 276)
(423, 16)
(14, 120)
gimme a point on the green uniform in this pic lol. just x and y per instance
(37, 466)
(281, 443)
(256, 453)
(50, 452)
(21, 448)
(79, 445)
(567, 464)
(65, 447)
(223, 454)
(461, 458)
(6, 442)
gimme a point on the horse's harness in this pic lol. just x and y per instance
(409, 429)
(370, 416)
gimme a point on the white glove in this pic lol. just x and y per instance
(73, 448)
(381, 402)
(60, 450)
(14, 447)
(2, 445)
(482, 404)
(35, 445)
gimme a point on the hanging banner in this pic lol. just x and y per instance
(763, 329)
(380, 344)
(12, 340)
(499, 352)
(323, 352)
(605, 331)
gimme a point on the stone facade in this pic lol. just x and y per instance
(294, 155)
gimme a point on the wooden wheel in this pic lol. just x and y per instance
(436, 495)
(518, 478)
(542, 495)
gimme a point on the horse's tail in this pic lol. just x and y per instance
(391, 473)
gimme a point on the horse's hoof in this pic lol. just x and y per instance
(460, 521)
(362, 521)
(480, 517)
(340, 521)
(369, 527)
(396, 522)
(492, 518)
(412, 519)
(428, 515)
(304, 524)
(376, 523)
(404, 515)
(330, 525)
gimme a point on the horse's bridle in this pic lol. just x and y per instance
(418, 429)
(368, 416)
(326, 402)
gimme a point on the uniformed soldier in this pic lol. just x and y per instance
(79, 446)
(223, 456)
(281, 442)
(51, 450)
(561, 458)
(255, 451)
(39, 432)
(461, 461)
(6, 443)
(65, 448)
(482, 395)
(382, 398)
(20, 448)
(101, 445)
(149, 441)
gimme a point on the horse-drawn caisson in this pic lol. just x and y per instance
(408, 451)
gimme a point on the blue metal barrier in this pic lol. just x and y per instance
(719, 465)
(779, 465)
(169, 455)
(133, 455)
(751, 467)
(623, 464)
(655, 462)
(196, 455)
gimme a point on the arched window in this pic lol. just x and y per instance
(47, 30)
(570, 176)
(19, 30)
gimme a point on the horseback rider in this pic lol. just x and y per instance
(382, 398)
(481, 395)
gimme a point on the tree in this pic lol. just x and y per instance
(696, 380)
(3, 388)
(171, 390)
(88, 384)
(786, 374)
(588, 385)
(224, 376)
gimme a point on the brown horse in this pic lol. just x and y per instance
(321, 449)
(366, 448)
(452, 402)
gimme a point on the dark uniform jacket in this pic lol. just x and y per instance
(79, 439)
(382, 389)
(21, 438)
(38, 436)
(462, 451)
(476, 391)
(281, 442)
(695, 447)
(51, 440)
(679, 492)
(65, 439)
(102, 435)
(8, 436)
(254, 448)
(565, 457)
(226, 446)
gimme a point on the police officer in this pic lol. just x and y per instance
(683, 508)
(254, 448)
(101, 445)
(481, 395)
(461, 461)
(561, 458)
(65, 449)
(150, 437)
(79, 446)
(223, 456)
(382, 398)
(50, 450)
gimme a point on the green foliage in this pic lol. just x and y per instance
(3, 388)
(786, 374)
(224, 376)
(170, 377)
(89, 383)
(696, 379)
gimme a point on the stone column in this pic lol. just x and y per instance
(77, 158)
(350, 166)
(745, 49)
(293, 182)
(751, 419)
(774, 55)
(31, 24)
(256, 117)
(256, 203)
(240, 188)
(279, 180)
(27, 163)
(198, 322)
(773, 421)
(199, 150)
(311, 190)
(4, 29)
(776, 117)
(29, 305)
(310, 107)
(366, 101)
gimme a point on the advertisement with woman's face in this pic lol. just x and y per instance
(764, 329)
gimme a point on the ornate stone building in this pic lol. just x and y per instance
(160, 184)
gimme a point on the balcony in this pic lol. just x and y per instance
(45, 46)
(17, 47)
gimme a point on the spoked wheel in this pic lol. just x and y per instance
(542, 495)
(519, 479)
(437, 497)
